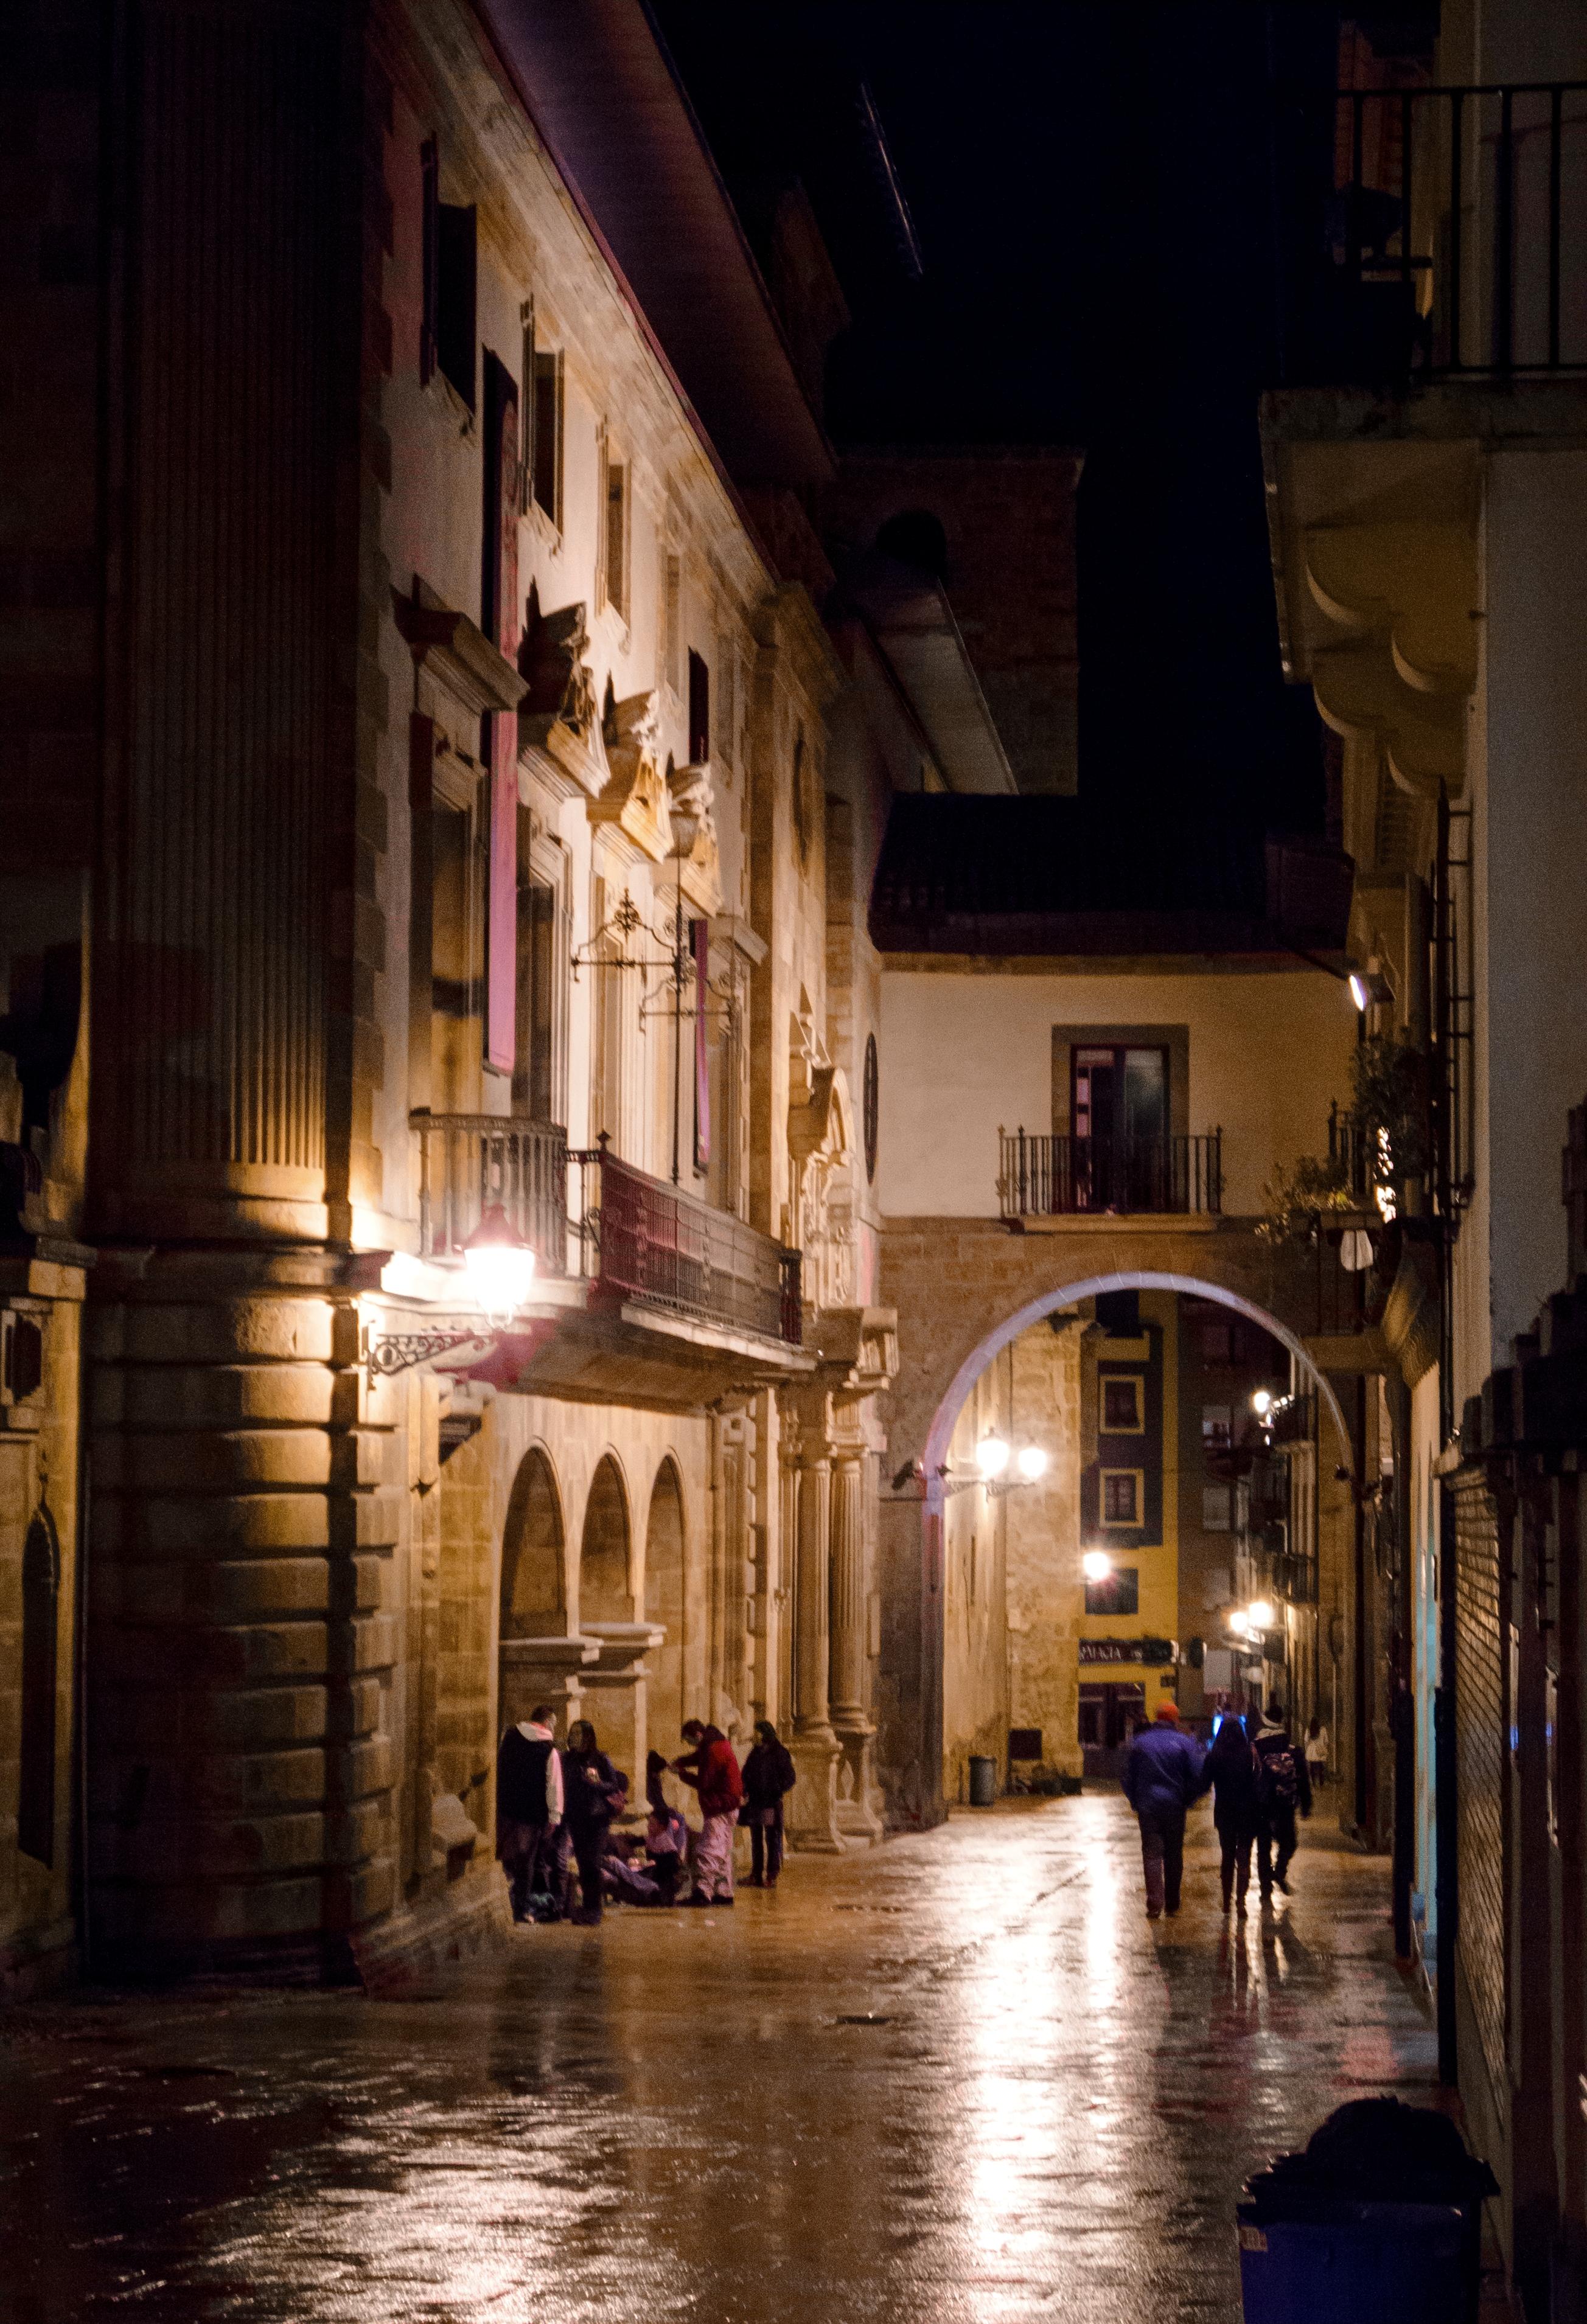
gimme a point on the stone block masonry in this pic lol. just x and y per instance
(242, 1809)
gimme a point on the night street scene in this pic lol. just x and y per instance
(793, 1162)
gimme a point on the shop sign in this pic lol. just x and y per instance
(1128, 1650)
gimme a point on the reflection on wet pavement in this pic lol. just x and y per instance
(956, 2080)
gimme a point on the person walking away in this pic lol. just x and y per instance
(528, 1806)
(1283, 1785)
(665, 1832)
(1162, 1774)
(768, 1776)
(711, 1769)
(1232, 1771)
(594, 1792)
(1317, 1755)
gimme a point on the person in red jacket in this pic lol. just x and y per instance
(712, 1770)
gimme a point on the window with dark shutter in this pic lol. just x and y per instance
(430, 170)
(699, 709)
(457, 282)
(547, 434)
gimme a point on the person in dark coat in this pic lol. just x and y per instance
(768, 1779)
(595, 1792)
(665, 1832)
(1232, 1771)
(528, 1807)
(1283, 1785)
(1162, 1776)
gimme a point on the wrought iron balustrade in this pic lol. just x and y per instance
(642, 1240)
(1446, 229)
(469, 1161)
(1062, 1176)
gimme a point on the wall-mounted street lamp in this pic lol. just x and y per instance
(1097, 1565)
(1369, 989)
(993, 1456)
(499, 1266)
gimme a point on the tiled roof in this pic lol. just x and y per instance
(1066, 876)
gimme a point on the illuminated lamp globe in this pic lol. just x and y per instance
(1239, 1626)
(1359, 993)
(992, 1455)
(1096, 1565)
(1032, 1464)
(500, 1265)
(1259, 1614)
(1261, 1403)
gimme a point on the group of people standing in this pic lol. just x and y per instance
(557, 1810)
(1260, 1781)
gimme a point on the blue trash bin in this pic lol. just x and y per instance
(1338, 2262)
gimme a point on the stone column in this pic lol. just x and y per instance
(857, 1815)
(812, 1808)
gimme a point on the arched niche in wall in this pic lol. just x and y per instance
(605, 1593)
(40, 1602)
(664, 1605)
(534, 1598)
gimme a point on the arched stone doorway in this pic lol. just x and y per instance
(952, 1346)
(613, 1677)
(538, 1660)
(665, 1608)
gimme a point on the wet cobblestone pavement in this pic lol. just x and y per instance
(958, 2080)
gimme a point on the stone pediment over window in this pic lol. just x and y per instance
(694, 836)
(453, 653)
(635, 796)
(557, 719)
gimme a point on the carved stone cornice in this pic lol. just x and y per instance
(455, 651)
(557, 719)
(694, 836)
(634, 795)
(1411, 1312)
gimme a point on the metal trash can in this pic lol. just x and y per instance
(982, 1783)
(1378, 2221)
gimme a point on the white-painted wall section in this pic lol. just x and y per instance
(962, 1052)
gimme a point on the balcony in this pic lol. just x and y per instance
(643, 1294)
(643, 1240)
(1062, 1176)
(1442, 234)
(467, 1161)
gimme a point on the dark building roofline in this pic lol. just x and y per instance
(1006, 878)
(600, 87)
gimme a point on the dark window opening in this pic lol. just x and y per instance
(456, 292)
(1118, 1314)
(1121, 1404)
(1120, 1497)
(699, 709)
(430, 168)
(616, 575)
(872, 1101)
(1119, 1107)
(533, 1081)
(547, 435)
(1119, 1594)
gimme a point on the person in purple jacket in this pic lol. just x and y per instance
(1162, 1774)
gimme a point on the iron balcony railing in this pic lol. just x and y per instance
(467, 1161)
(640, 1239)
(1043, 1176)
(1441, 232)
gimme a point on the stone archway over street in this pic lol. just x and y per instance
(962, 1290)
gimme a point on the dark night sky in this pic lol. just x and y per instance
(1092, 188)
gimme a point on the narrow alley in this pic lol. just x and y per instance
(954, 2079)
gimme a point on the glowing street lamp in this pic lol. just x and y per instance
(1031, 1463)
(1261, 1403)
(500, 1266)
(1259, 1615)
(1097, 1565)
(993, 1453)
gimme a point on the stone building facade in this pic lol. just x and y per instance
(456, 834)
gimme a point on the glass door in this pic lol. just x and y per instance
(1118, 1118)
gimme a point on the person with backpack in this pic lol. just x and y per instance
(595, 1792)
(1283, 1785)
(1231, 1770)
(1162, 1776)
(711, 1768)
